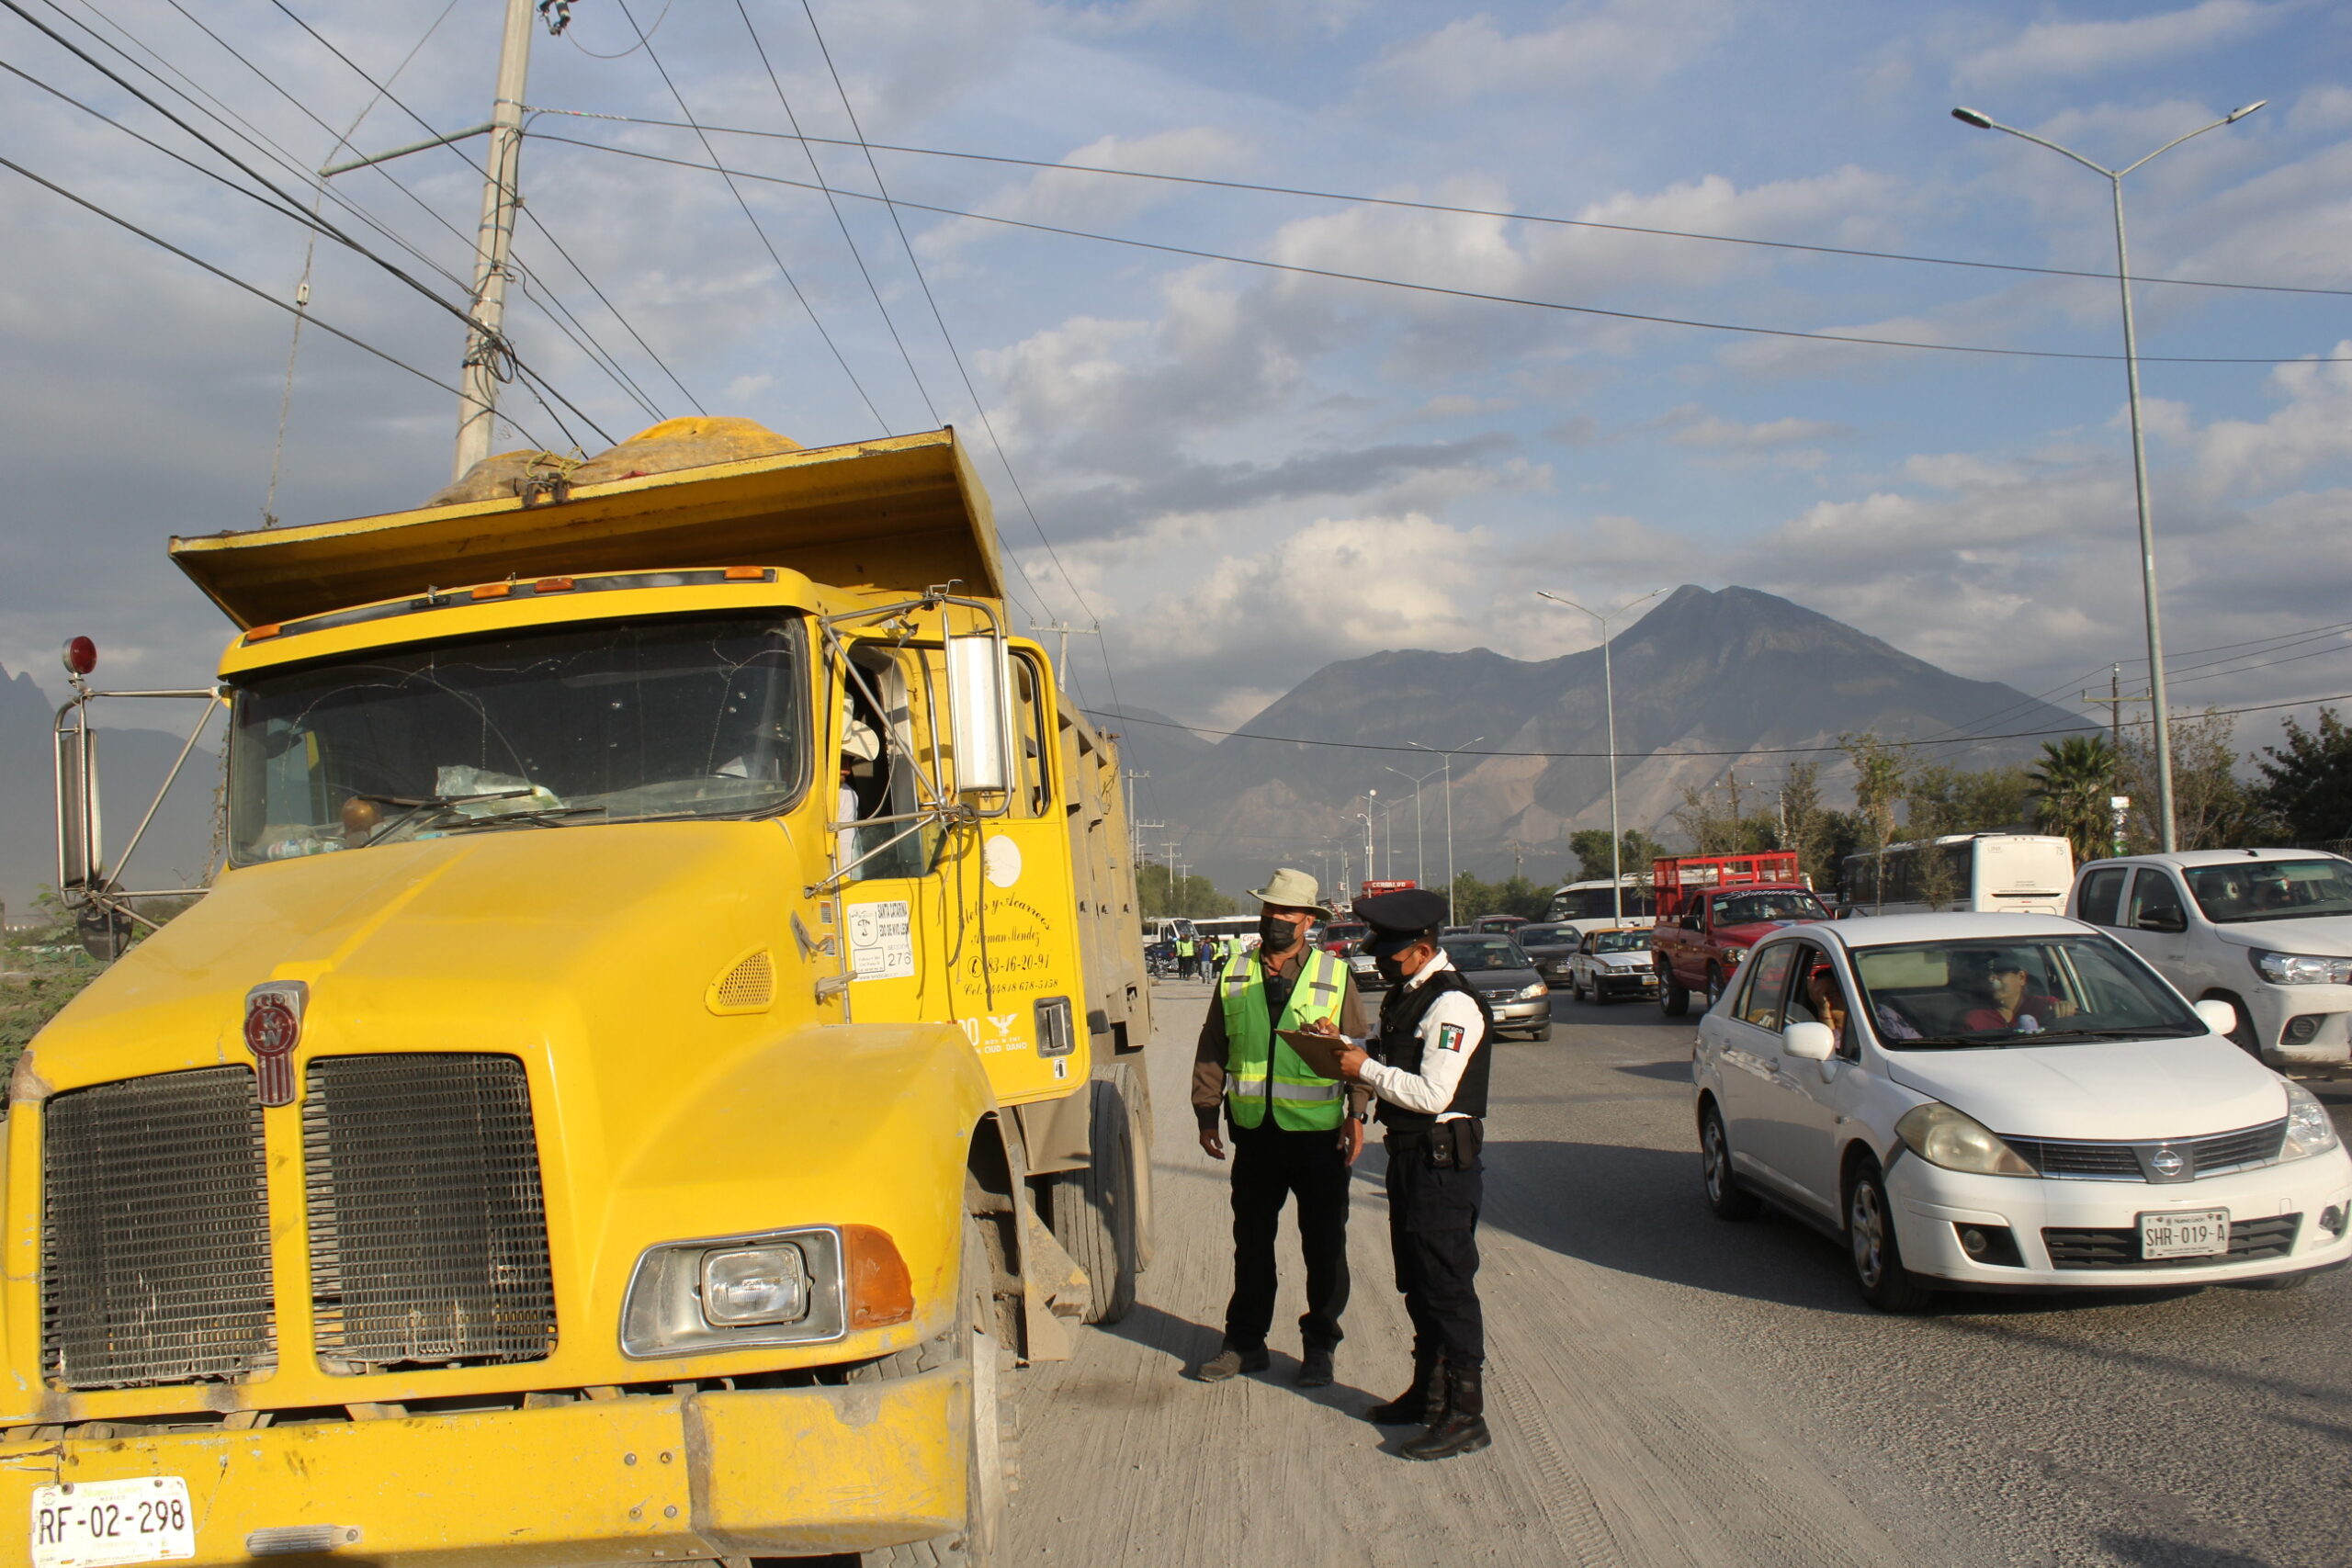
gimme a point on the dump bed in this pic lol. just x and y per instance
(903, 512)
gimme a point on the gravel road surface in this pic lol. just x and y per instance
(1668, 1389)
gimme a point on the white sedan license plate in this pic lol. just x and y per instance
(100, 1524)
(2195, 1232)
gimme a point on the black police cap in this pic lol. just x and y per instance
(1395, 918)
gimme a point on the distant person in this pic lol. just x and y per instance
(1295, 1132)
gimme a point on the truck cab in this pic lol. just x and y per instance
(1711, 909)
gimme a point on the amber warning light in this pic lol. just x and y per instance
(81, 656)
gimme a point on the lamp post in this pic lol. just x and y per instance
(1420, 876)
(2114, 177)
(1608, 704)
(1452, 914)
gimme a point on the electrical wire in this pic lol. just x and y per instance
(230, 277)
(1508, 214)
(766, 243)
(839, 220)
(1479, 296)
(1749, 751)
(632, 49)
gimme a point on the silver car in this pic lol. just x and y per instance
(1610, 966)
(1507, 979)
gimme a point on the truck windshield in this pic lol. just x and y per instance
(2271, 889)
(1748, 909)
(625, 721)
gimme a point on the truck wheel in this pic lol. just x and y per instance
(1673, 998)
(1094, 1212)
(976, 1342)
(1714, 985)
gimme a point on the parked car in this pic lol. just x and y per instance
(1997, 1101)
(1610, 964)
(1506, 977)
(1499, 925)
(2269, 932)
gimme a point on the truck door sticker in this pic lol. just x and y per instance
(1002, 859)
(881, 940)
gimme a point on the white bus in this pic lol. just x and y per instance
(2018, 874)
(1597, 900)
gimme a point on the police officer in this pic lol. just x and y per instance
(1430, 1075)
(1294, 1131)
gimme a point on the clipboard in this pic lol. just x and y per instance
(1319, 1052)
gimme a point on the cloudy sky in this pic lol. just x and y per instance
(1245, 472)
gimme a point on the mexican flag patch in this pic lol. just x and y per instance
(1449, 1037)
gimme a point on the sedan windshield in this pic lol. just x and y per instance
(2271, 889)
(1620, 941)
(2052, 990)
(622, 721)
(1473, 954)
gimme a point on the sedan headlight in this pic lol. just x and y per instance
(2298, 969)
(1957, 1140)
(2310, 1129)
(1529, 993)
(692, 1297)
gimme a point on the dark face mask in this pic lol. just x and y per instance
(1391, 969)
(1276, 934)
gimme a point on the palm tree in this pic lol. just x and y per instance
(2072, 785)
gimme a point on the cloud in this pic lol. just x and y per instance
(2058, 49)
(1068, 198)
(1609, 43)
(1692, 425)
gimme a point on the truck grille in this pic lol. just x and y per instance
(428, 1228)
(2118, 1246)
(2100, 1161)
(155, 1232)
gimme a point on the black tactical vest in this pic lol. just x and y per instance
(1401, 1011)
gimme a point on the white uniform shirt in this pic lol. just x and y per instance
(1451, 1031)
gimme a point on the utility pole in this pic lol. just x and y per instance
(502, 194)
(1061, 657)
(2113, 702)
(1518, 854)
(1135, 842)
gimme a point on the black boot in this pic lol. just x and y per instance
(1423, 1405)
(1463, 1430)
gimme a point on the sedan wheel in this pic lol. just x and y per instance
(1878, 1257)
(1725, 1196)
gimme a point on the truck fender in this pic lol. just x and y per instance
(1038, 1283)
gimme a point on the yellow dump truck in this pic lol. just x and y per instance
(659, 1053)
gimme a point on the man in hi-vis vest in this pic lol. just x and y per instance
(1294, 1131)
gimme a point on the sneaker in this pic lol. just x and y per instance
(1231, 1363)
(1315, 1369)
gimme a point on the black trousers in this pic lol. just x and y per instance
(1271, 1165)
(1434, 1230)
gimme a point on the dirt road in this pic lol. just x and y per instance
(1665, 1389)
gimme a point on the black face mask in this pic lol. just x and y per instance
(1391, 969)
(1276, 934)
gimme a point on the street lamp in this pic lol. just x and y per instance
(2114, 177)
(1452, 914)
(1609, 702)
(1420, 876)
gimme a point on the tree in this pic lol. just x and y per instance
(2210, 808)
(2306, 788)
(1474, 898)
(1804, 824)
(2072, 785)
(1635, 849)
(1193, 897)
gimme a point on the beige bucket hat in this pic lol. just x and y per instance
(1294, 889)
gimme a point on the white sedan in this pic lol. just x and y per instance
(1991, 1101)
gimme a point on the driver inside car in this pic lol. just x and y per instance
(2007, 1002)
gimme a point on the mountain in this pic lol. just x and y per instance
(131, 764)
(1736, 673)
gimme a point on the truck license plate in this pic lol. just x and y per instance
(2196, 1233)
(99, 1524)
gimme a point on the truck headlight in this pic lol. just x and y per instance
(1529, 993)
(2298, 969)
(1957, 1140)
(726, 1292)
(2310, 1130)
(1733, 955)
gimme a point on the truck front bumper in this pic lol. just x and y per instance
(784, 1471)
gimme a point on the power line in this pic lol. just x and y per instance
(1748, 751)
(1480, 296)
(978, 407)
(225, 277)
(1505, 213)
(749, 217)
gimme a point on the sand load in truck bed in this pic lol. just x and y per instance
(903, 512)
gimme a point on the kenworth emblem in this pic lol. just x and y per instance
(272, 1026)
(2167, 1163)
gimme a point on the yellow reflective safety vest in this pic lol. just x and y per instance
(1259, 1070)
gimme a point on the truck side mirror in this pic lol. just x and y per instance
(78, 827)
(979, 702)
(2162, 920)
(104, 931)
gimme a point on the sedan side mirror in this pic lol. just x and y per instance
(2219, 1016)
(1809, 1042)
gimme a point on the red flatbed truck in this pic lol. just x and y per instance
(1711, 909)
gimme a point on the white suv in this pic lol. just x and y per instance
(2269, 932)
